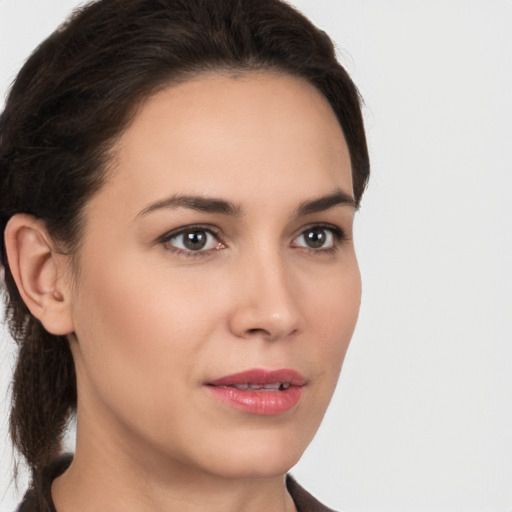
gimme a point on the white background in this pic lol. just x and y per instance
(422, 418)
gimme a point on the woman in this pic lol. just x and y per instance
(179, 181)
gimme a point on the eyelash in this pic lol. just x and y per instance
(337, 233)
(339, 237)
(168, 237)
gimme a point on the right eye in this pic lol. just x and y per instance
(192, 240)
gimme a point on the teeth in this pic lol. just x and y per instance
(273, 386)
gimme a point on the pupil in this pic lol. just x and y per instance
(315, 238)
(195, 240)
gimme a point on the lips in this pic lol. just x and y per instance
(260, 392)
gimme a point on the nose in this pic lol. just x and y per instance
(266, 303)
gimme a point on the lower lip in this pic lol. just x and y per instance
(263, 403)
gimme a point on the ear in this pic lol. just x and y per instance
(39, 272)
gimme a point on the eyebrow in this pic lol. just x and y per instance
(337, 198)
(214, 205)
(197, 203)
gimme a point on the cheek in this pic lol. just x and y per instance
(137, 331)
(146, 325)
(334, 305)
(332, 313)
(143, 334)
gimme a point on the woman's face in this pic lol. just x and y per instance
(217, 257)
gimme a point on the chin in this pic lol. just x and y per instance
(263, 456)
(255, 467)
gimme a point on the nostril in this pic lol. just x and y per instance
(259, 332)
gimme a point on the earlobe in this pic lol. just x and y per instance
(37, 270)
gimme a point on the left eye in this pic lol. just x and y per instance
(316, 238)
(193, 240)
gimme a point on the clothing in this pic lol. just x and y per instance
(304, 502)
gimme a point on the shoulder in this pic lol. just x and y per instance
(304, 501)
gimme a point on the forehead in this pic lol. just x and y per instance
(218, 134)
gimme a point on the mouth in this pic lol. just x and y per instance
(275, 386)
(260, 392)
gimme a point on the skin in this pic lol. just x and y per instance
(150, 321)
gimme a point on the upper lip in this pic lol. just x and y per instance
(261, 377)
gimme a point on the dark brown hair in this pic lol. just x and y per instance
(73, 98)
